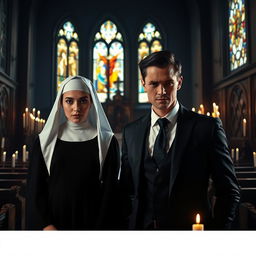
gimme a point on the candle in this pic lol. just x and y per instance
(3, 142)
(34, 111)
(24, 153)
(24, 120)
(237, 154)
(27, 155)
(254, 159)
(202, 108)
(38, 114)
(208, 114)
(193, 109)
(4, 157)
(26, 116)
(233, 154)
(198, 226)
(13, 160)
(16, 155)
(199, 111)
(244, 127)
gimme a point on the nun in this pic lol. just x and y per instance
(74, 164)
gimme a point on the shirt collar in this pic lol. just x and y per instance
(171, 116)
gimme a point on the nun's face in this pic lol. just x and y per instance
(76, 105)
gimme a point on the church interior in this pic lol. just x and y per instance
(42, 42)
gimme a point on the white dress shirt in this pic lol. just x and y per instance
(170, 130)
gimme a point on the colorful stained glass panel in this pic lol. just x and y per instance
(237, 34)
(149, 42)
(108, 61)
(73, 59)
(62, 61)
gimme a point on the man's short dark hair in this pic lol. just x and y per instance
(161, 59)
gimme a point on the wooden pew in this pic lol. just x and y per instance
(246, 174)
(245, 182)
(12, 195)
(247, 216)
(7, 217)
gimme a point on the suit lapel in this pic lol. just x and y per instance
(139, 147)
(184, 128)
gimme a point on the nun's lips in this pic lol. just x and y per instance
(77, 115)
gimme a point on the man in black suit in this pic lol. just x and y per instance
(170, 156)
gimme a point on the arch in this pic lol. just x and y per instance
(149, 40)
(67, 52)
(108, 60)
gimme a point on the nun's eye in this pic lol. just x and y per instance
(83, 100)
(69, 101)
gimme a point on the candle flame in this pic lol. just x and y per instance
(198, 218)
(244, 120)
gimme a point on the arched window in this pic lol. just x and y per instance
(67, 52)
(108, 61)
(237, 34)
(150, 41)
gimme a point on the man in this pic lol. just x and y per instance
(167, 165)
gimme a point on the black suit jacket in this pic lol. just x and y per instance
(200, 154)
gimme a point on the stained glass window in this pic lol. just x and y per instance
(67, 52)
(150, 41)
(3, 34)
(237, 34)
(108, 61)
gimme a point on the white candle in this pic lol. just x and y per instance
(24, 120)
(244, 127)
(24, 153)
(254, 159)
(38, 113)
(4, 157)
(237, 154)
(34, 111)
(27, 118)
(202, 108)
(199, 111)
(3, 142)
(208, 114)
(16, 155)
(13, 160)
(233, 154)
(193, 109)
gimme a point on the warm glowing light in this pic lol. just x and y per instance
(198, 218)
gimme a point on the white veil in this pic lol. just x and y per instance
(96, 117)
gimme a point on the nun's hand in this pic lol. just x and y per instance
(49, 227)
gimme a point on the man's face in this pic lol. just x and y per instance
(161, 85)
(76, 105)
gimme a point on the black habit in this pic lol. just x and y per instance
(72, 197)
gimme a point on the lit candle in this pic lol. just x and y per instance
(198, 226)
(24, 120)
(24, 153)
(34, 111)
(244, 127)
(202, 108)
(16, 155)
(208, 114)
(193, 109)
(233, 154)
(237, 154)
(254, 159)
(199, 111)
(38, 114)
(13, 160)
(4, 157)
(27, 117)
(3, 142)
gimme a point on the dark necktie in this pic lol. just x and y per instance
(159, 152)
